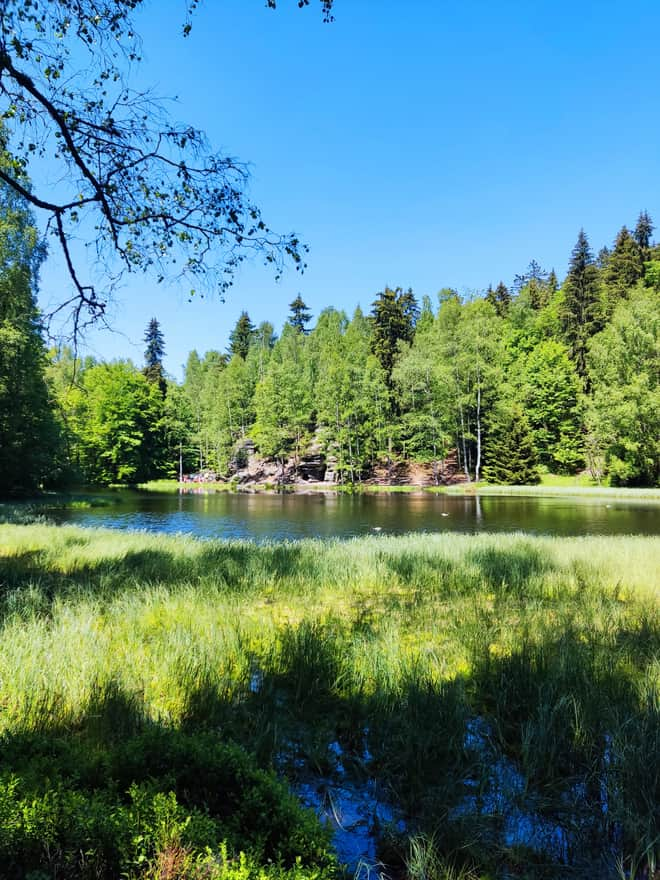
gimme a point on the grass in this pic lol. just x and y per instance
(170, 486)
(551, 485)
(161, 682)
(552, 489)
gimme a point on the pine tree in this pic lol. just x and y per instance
(300, 315)
(510, 457)
(581, 311)
(153, 356)
(242, 336)
(624, 267)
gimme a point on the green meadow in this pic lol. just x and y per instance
(164, 699)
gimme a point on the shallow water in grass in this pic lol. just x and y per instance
(277, 517)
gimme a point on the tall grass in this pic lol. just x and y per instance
(394, 648)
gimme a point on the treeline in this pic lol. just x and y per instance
(540, 374)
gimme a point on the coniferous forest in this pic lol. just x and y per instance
(540, 375)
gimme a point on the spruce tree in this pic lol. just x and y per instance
(643, 232)
(624, 267)
(502, 298)
(242, 336)
(393, 318)
(300, 315)
(509, 454)
(581, 311)
(153, 356)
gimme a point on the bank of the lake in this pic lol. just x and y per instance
(498, 695)
(554, 486)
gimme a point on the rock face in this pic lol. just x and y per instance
(312, 468)
(409, 473)
(247, 467)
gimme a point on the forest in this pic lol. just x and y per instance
(537, 376)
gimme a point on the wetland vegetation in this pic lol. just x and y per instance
(164, 700)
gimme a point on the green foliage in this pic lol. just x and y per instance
(548, 388)
(117, 806)
(153, 355)
(393, 316)
(581, 310)
(500, 298)
(149, 681)
(117, 424)
(400, 383)
(283, 398)
(510, 456)
(242, 336)
(652, 274)
(29, 438)
(350, 395)
(300, 315)
(624, 410)
(624, 268)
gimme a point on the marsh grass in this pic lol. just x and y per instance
(392, 648)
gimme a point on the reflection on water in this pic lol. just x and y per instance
(278, 517)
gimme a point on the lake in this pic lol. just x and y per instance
(263, 517)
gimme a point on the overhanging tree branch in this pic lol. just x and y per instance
(151, 195)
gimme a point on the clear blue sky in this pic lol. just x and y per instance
(425, 143)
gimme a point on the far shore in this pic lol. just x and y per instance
(553, 487)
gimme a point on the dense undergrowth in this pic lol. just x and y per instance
(159, 695)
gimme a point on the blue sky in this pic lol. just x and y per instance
(425, 143)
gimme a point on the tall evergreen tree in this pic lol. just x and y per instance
(300, 315)
(581, 311)
(393, 316)
(625, 266)
(500, 298)
(153, 355)
(643, 231)
(242, 336)
(510, 457)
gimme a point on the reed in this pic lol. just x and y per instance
(471, 676)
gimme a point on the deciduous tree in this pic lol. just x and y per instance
(149, 193)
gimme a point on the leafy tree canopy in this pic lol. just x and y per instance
(149, 193)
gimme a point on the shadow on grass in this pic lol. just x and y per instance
(229, 567)
(547, 758)
(105, 796)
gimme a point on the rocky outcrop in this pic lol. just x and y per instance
(313, 467)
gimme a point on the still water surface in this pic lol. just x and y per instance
(278, 517)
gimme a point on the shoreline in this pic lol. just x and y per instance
(460, 489)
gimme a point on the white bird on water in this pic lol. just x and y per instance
(377, 528)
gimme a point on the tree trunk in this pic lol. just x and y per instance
(477, 467)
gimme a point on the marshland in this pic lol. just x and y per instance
(481, 705)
